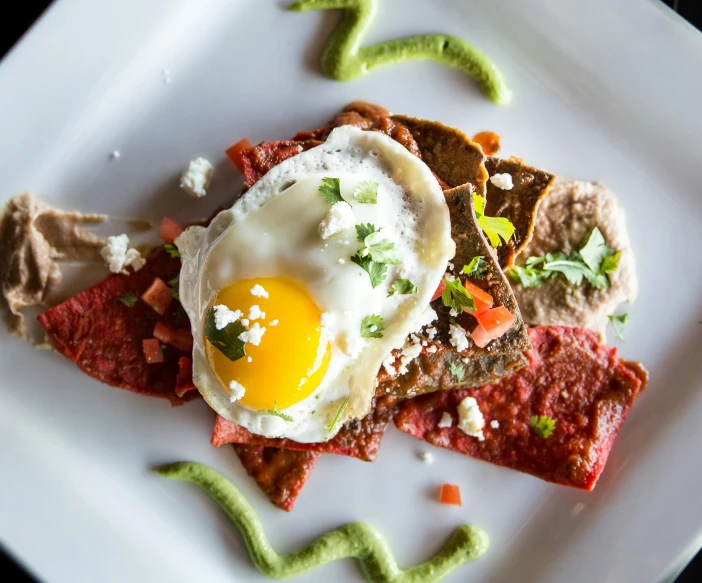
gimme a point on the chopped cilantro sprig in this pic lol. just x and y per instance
(227, 339)
(477, 267)
(402, 287)
(593, 262)
(372, 326)
(339, 412)
(543, 425)
(366, 192)
(496, 228)
(456, 296)
(618, 324)
(458, 371)
(129, 299)
(376, 254)
(275, 412)
(331, 190)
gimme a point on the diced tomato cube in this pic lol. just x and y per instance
(495, 322)
(483, 300)
(164, 332)
(152, 350)
(182, 340)
(184, 380)
(158, 296)
(450, 494)
(439, 290)
(480, 337)
(235, 152)
(169, 230)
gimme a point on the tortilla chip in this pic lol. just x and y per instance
(431, 372)
(572, 379)
(104, 337)
(450, 154)
(280, 473)
(258, 160)
(519, 205)
(358, 438)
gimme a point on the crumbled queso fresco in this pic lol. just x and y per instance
(223, 316)
(470, 418)
(253, 335)
(197, 177)
(503, 181)
(446, 420)
(258, 291)
(236, 391)
(339, 218)
(255, 313)
(458, 337)
(118, 255)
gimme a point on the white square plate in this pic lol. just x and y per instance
(603, 90)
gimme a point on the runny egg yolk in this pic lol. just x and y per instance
(293, 355)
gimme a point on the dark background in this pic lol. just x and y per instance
(13, 26)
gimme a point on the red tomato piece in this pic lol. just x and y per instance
(450, 494)
(439, 290)
(164, 332)
(483, 300)
(184, 380)
(169, 230)
(158, 296)
(480, 337)
(152, 350)
(495, 322)
(234, 152)
(182, 340)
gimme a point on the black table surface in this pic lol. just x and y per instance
(14, 25)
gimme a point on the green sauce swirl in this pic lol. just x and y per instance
(344, 59)
(359, 540)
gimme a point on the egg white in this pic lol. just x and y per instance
(272, 231)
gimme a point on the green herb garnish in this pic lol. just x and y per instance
(476, 268)
(402, 287)
(331, 190)
(366, 192)
(172, 250)
(494, 227)
(341, 409)
(593, 262)
(542, 425)
(376, 271)
(174, 286)
(227, 339)
(129, 299)
(277, 413)
(458, 371)
(372, 326)
(618, 324)
(456, 296)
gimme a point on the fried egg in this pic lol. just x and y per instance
(278, 265)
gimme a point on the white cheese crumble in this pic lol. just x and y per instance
(431, 332)
(494, 423)
(253, 335)
(470, 418)
(453, 312)
(388, 365)
(431, 349)
(449, 277)
(341, 261)
(339, 218)
(197, 177)
(255, 313)
(273, 323)
(446, 420)
(258, 291)
(450, 266)
(426, 457)
(236, 391)
(223, 316)
(458, 337)
(411, 350)
(427, 317)
(503, 181)
(118, 255)
(249, 359)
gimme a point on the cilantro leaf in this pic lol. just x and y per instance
(380, 249)
(618, 324)
(455, 296)
(610, 264)
(528, 277)
(372, 326)
(402, 287)
(129, 299)
(277, 413)
(172, 250)
(331, 190)
(362, 231)
(376, 271)
(174, 286)
(542, 425)
(458, 371)
(493, 227)
(225, 340)
(476, 268)
(339, 411)
(593, 253)
(366, 192)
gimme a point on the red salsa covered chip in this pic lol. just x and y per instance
(572, 384)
